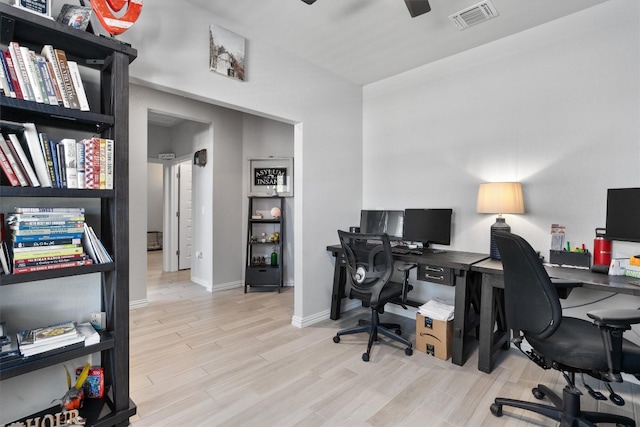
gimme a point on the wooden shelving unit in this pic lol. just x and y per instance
(110, 119)
(260, 272)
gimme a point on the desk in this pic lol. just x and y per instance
(454, 269)
(494, 334)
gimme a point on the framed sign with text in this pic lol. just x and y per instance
(271, 176)
(41, 7)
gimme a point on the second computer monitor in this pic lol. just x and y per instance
(382, 221)
(428, 226)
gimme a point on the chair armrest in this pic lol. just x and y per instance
(564, 286)
(406, 287)
(612, 324)
(615, 318)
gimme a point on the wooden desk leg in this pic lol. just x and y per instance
(492, 338)
(459, 320)
(338, 288)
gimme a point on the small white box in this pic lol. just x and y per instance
(99, 320)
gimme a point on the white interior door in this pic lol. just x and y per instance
(185, 222)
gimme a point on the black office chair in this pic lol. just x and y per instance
(567, 344)
(369, 267)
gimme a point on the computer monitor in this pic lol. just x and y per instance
(382, 221)
(428, 226)
(623, 214)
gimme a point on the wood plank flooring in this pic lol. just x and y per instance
(234, 359)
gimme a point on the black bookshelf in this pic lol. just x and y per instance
(109, 119)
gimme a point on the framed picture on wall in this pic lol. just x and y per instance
(272, 176)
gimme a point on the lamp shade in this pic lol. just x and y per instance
(500, 198)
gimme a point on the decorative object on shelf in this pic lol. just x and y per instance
(106, 11)
(257, 215)
(72, 399)
(500, 198)
(166, 156)
(253, 239)
(263, 235)
(275, 212)
(75, 16)
(274, 258)
(40, 7)
(274, 237)
(271, 177)
(226, 52)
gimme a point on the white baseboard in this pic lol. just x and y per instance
(138, 304)
(226, 286)
(303, 322)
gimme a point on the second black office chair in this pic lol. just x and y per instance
(369, 268)
(567, 344)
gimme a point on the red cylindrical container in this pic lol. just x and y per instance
(601, 248)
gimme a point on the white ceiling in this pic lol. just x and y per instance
(368, 40)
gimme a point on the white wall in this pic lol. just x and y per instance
(555, 107)
(326, 110)
(154, 196)
(220, 253)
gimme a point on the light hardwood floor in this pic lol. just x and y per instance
(234, 359)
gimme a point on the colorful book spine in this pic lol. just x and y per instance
(17, 167)
(12, 75)
(67, 83)
(92, 163)
(47, 80)
(45, 237)
(24, 160)
(48, 158)
(80, 162)
(103, 164)
(8, 170)
(21, 71)
(110, 154)
(49, 53)
(36, 268)
(70, 162)
(46, 253)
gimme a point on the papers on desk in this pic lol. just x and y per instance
(437, 309)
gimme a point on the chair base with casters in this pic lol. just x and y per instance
(566, 410)
(373, 328)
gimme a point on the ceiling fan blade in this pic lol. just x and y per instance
(416, 7)
(309, 1)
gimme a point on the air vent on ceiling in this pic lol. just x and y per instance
(473, 15)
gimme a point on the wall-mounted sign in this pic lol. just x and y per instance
(271, 177)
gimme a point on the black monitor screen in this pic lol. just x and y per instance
(428, 226)
(623, 214)
(378, 222)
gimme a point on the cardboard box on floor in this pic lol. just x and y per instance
(434, 337)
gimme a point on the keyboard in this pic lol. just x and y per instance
(400, 250)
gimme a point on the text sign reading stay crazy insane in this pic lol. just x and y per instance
(270, 176)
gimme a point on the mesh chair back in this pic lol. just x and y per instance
(369, 265)
(531, 300)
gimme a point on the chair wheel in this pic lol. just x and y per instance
(365, 357)
(336, 339)
(537, 393)
(496, 409)
(408, 351)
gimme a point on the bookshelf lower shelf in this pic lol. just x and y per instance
(97, 412)
(33, 363)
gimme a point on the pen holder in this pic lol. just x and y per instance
(577, 259)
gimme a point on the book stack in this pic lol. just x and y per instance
(29, 158)
(48, 77)
(54, 337)
(632, 270)
(47, 239)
